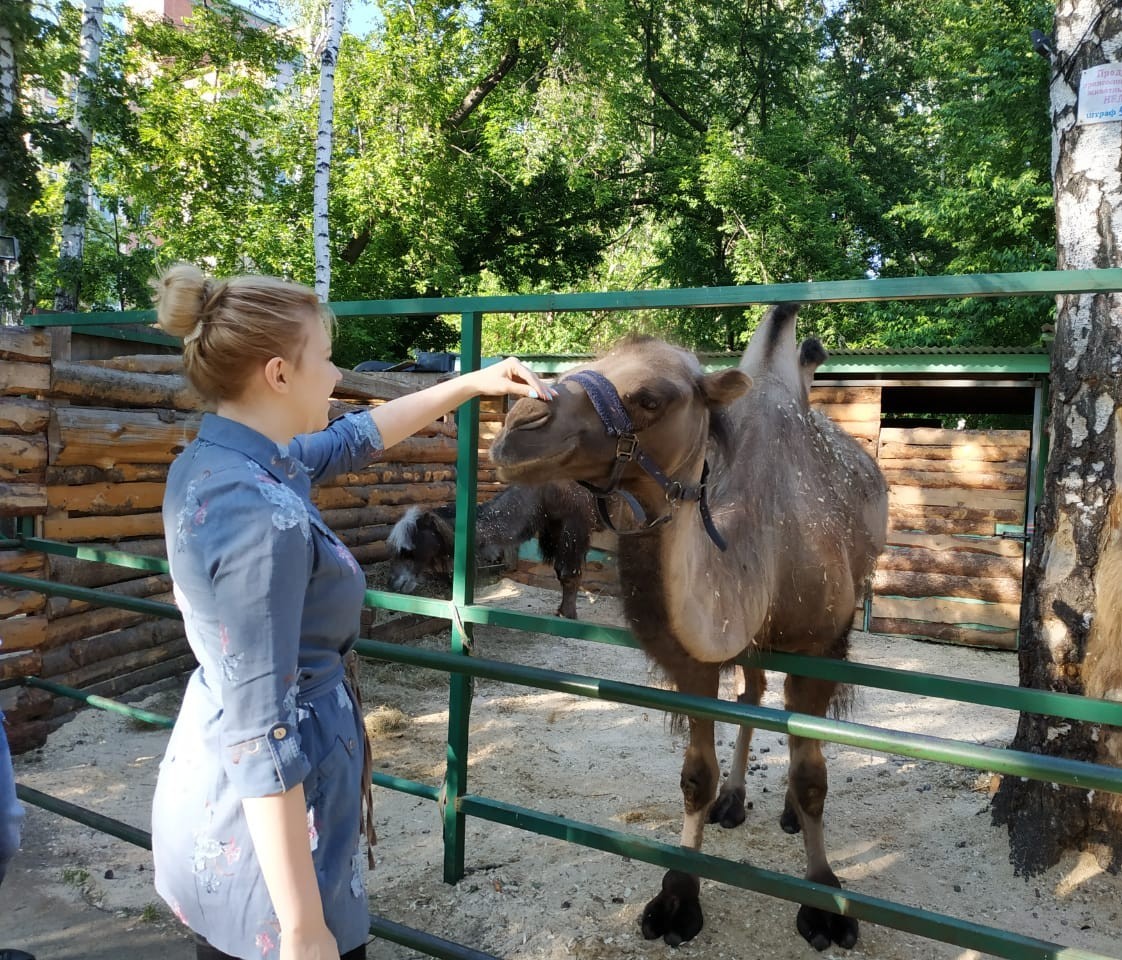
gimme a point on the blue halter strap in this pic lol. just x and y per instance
(612, 413)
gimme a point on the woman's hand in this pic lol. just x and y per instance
(512, 377)
(316, 943)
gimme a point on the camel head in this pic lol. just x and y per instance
(664, 392)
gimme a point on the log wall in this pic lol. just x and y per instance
(947, 574)
(85, 448)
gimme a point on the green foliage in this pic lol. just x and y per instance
(506, 147)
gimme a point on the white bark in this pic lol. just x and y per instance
(333, 30)
(9, 80)
(76, 201)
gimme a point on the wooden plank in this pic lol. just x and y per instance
(142, 363)
(87, 573)
(81, 626)
(410, 626)
(31, 344)
(21, 415)
(382, 386)
(23, 562)
(15, 602)
(106, 498)
(941, 526)
(388, 472)
(371, 553)
(26, 663)
(23, 633)
(23, 454)
(908, 496)
(904, 511)
(117, 643)
(18, 377)
(1017, 469)
(143, 587)
(822, 395)
(941, 480)
(114, 668)
(103, 528)
(73, 476)
(967, 454)
(946, 610)
(22, 499)
(102, 386)
(931, 436)
(950, 633)
(996, 546)
(956, 562)
(105, 438)
(847, 412)
(909, 583)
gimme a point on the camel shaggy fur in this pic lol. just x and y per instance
(560, 516)
(803, 511)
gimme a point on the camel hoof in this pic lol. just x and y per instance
(566, 612)
(728, 809)
(789, 820)
(820, 928)
(675, 914)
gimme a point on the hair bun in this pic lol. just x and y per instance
(181, 294)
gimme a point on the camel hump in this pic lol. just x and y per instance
(771, 351)
(811, 356)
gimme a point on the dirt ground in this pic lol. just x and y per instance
(911, 831)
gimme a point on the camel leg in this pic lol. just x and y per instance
(675, 914)
(806, 799)
(571, 549)
(729, 808)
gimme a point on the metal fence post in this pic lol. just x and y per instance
(463, 593)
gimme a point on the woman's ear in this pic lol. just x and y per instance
(276, 374)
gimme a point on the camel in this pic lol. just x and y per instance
(561, 516)
(759, 521)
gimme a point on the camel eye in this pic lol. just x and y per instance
(648, 401)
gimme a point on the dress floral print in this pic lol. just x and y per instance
(270, 600)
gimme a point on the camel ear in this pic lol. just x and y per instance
(724, 386)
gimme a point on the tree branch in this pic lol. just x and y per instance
(478, 93)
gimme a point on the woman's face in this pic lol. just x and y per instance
(314, 379)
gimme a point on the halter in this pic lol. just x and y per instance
(608, 406)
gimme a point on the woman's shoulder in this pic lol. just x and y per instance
(223, 487)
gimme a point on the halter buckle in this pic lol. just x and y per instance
(626, 446)
(674, 491)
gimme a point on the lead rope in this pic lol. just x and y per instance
(366, 823)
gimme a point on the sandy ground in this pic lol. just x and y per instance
(912, 831)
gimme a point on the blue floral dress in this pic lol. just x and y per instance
(271, 601)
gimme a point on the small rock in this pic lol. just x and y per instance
(765, 749)
(961, 844)
(565, 904)
(618, 900)
(849, 779)
(957, 888)
(108, 874)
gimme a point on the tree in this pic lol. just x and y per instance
(1071, 621)
(334, 15)
(76, 200)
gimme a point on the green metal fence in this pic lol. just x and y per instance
(453, 797)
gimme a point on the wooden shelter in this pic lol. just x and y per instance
(89, 425)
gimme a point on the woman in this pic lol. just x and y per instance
(257, 811)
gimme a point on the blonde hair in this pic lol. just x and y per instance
(228, 326)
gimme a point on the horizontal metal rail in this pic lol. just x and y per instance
(379, 926)
(1074, 773)
(1003, 696)
(1036, 283)
(962, 933)
(915, 920)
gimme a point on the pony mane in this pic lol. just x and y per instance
(401, 537)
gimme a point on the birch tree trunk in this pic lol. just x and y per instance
(1071, 621)
(9, 86)
(76, 199)
(333, 33)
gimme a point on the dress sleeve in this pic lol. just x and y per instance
(256, 548)
(347, 445)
